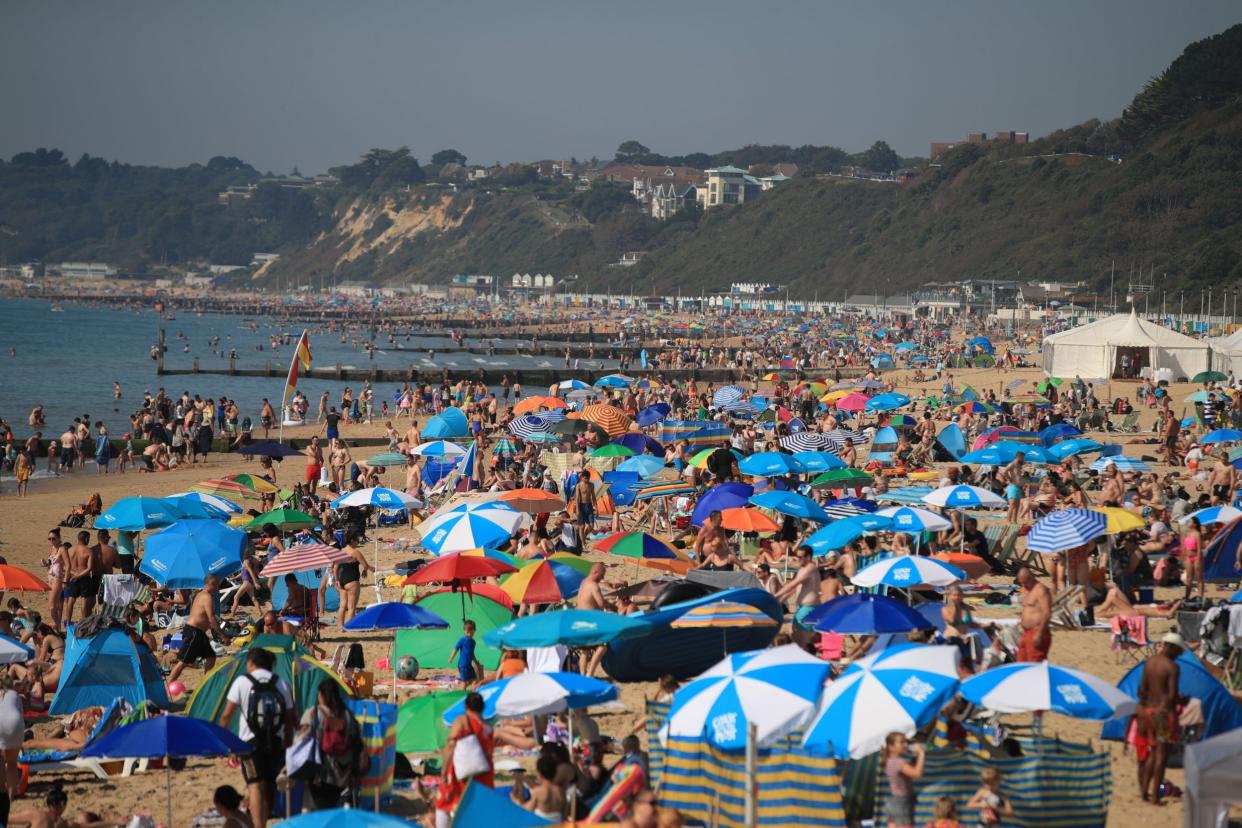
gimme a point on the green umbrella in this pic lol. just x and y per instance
(386, 458)
(420, 728)
(1053, 382)
(613, 450)
(284, 519)
(569, 428)
(841, 479)
(1234, 454)
(1208, 376)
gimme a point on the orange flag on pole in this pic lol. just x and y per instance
(301, 357)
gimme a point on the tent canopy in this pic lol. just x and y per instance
(294, 664)
(432, 648)
(1222, 553)
(449, 423)
(105, 667)
(1213, 778)
(1095, 349)
(1220, 712)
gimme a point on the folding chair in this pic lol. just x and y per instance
(1065, 609)
(1129, 638)
(1130, 424)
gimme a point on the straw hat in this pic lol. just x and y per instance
(1175, 640)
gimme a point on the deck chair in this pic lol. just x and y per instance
(128, 588)
(1065, 609)
(1130, 424)
(1004, 546)
(117, 714)
(1129, 640)
(1026, 557)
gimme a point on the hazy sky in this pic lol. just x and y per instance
(317, 83)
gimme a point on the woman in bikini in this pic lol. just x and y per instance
(1192, 556)
(349, 577)
(1116, 603)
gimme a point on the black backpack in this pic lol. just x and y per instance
(265, 713)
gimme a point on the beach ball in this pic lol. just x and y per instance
(176, 691)
(407, 668)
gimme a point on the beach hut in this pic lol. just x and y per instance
(1121, 346)
(104, 667)
(294, 664)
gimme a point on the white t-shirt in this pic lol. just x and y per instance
(239, 694)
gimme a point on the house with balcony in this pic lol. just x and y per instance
(726, 187)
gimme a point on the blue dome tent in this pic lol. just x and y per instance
(449, 423)
(1220, 712)
(1221, 555)
(105, 667)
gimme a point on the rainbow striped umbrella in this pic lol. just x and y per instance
(724, 616)
(543, 582)
(636, 545)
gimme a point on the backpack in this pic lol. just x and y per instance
(334, 735)
(265, 713)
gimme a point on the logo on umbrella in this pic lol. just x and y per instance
(438, 535)
(1072, 693)
(902, 573)
(724, 727)
(584, 625)
(917, 689)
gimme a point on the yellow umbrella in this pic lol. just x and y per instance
(1120, 520)
(833, 396)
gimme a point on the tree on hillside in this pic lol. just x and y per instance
(880, 158)
(381, 169)
(448, 156)
(629, 149)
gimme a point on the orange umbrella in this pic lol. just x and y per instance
(16, 579)
(535, 403)
(747, 520)
(532, 501)
(974, 566)
(613, 420)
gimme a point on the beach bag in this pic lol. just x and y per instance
(304, 759)
(469, 760)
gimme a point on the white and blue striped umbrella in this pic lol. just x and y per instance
(770, 464)
(529, 424)
(819, 461)
(470, 526)
(438, 448)
(899, 689)
(906, 571)
(727, 394)
(534, 694)
(378, 497)
(775, 689)
(908, 495)
(1065, 529)
(1032, 686)
(910, 519)
(553, 415)
(1123, 464)
(1214, 514)
(964, 497)
(791, 503)
(573, 385)
(209, 501)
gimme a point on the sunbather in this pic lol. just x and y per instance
(74, 735)
(1115, 603)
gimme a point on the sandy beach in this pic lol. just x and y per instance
(22, 542)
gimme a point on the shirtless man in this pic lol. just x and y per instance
(1036, 618)
(1170, 429)
(1113, 489)
(81, 585)
(591, 597)
(1011, 477)
(584, 501)
(103, 562)
(314, 463)
(196, 634)
(710, 537)
(68, 449)
(1224, 480)
(1157, 714)
(267, 416)
(805, 585)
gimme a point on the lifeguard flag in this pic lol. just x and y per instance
(302, 357)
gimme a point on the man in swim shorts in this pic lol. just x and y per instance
(1036, 618)
(1157, 715)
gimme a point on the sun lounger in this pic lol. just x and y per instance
(117, 714)
(1065, 610)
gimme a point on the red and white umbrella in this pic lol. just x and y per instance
(305, 557)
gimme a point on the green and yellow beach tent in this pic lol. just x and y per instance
(294, 664)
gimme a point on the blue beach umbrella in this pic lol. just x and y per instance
(438, 448)
(899, 689)
(640, 444)
(724, 496)
(470, 526)
(528, 424)
(614, 381)
(1123, 464)
(774, 689)
(644, 465)
(818, 461)
(184, 554)
(220, 504)
(791, 503)
(864, 613)
(1033, 686)
(912, 520)
(194, 509)
(266, 448)
(652, 414)
(887, 402)
(727, 395)
(1000, 454)
(1065, 529)
(840, 532)
(1214, 514)
(1054, 433)
(395, 615)
(531, 694)
(133, 514)
(1072, 446)
(1222, 435)
(353, 818)
(770, 464)
(906, 571)
(572, 385)
(573, 628)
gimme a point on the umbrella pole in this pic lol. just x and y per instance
(168, 786)
(752, 763)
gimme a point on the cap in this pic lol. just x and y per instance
(1174, 639)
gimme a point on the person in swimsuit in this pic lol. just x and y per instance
(805, 586)
(349, 580)
(1192, 556)
(196, 634)
(314, 463)
(1157, 715)
(957, 623)
(546, 799)
(249, 578)
(81, 584)
(1036, 618)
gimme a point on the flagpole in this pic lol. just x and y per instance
(280, 433)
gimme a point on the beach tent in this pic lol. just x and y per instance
(309, 579)
(952, 441)
(420, 728)
(105, 667)
(448, 424)
(1221, 713)
(294, 664)
(1221, 555)
(1213, 779)
(487, 607)
(1227, 352)
(1096, 349)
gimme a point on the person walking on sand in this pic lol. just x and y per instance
(81, 584)
(267, 724)
(1036, 618)
(196, 634)
(1157, 715)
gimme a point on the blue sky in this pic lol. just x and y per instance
(317, 83)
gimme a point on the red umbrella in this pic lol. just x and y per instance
(458, 567)
(852, 402)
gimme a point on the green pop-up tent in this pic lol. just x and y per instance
(487, 607)
(294, 664)
(420, 728)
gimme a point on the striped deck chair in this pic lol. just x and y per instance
(141, 596)
(862, 563)
(1006, 541)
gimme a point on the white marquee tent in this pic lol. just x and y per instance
(1101, 348)
(1213, 779)
(1227, 352)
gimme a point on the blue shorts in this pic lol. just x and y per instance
(465, 672)
(333, 433)
(799, 619)
(1012, 492)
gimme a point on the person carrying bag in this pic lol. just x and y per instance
(467, 755)
(329, 755)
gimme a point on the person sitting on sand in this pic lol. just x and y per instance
(1116, 603)
(50, 816)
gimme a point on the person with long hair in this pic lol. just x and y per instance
(1192, 556)
(340, 746)
(901, 774)
(349, 577)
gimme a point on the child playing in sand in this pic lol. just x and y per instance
(469, 669)
(993, 806)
